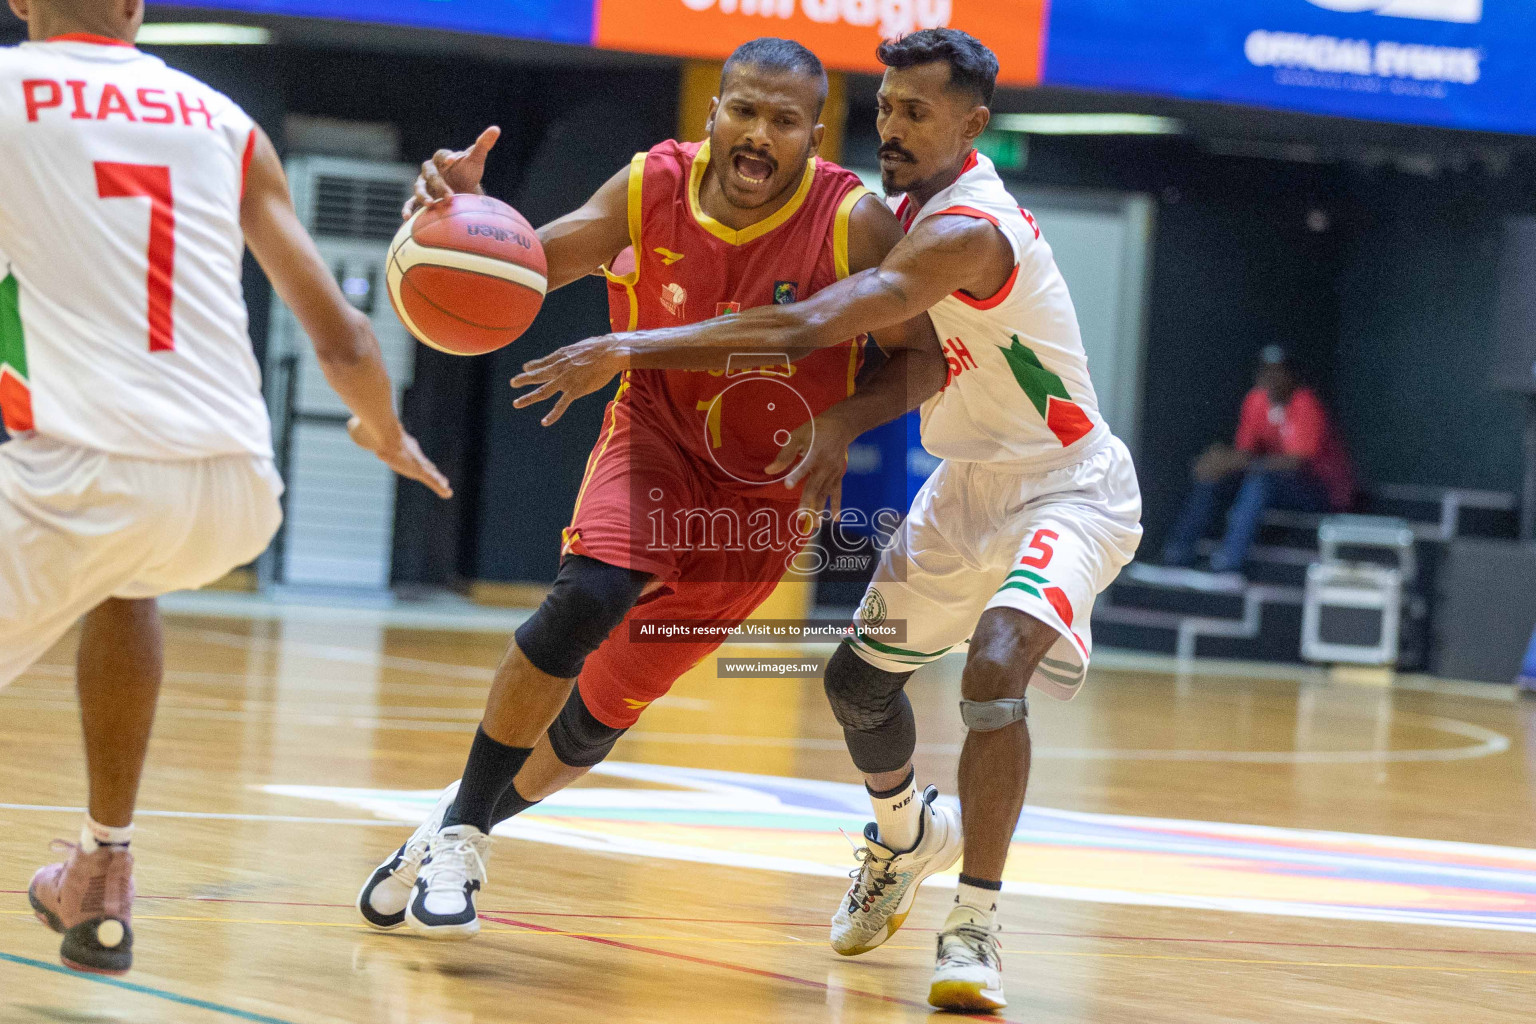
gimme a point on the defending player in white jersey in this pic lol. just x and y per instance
(140, 459)
(1032, 513)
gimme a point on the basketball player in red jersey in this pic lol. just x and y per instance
(1033, 511)
(677, 517)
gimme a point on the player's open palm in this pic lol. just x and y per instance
(450, 172)
(405, 457)
(821, 448)
(570, 372)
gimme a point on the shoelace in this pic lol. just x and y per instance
(869, 879)
(410, 860)
(969, 943)
(458, 864)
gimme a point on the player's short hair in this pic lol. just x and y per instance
(781, 55)
(972, 67)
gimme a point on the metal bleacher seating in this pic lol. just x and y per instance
(1259, 616)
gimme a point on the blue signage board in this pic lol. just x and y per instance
(560, 21)
(1448, 63)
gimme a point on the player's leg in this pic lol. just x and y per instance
(90, 896)
(155, 527)
(927, 590)
(588, 600)
(1081, 526)
(383, 898)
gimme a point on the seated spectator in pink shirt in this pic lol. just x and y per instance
(1287, 455)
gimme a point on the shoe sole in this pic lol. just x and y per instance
(965, 996)
(443, 932)
(86, 931)
(895, 921)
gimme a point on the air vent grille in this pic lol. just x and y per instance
(358, 207)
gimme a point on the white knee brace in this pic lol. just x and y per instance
(991, 715)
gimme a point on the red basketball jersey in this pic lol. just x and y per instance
(687, 267)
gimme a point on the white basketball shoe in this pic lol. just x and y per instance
(885, 882)
(443, 904)
(384, 896)
(969, 975)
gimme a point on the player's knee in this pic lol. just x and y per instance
(872, 707)
(1005, 650)
(862, 696)
(577, 738)
(588, 600)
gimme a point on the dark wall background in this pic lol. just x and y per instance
(1389, 300)
(1381, 280)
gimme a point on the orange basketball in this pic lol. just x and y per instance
(467, 275)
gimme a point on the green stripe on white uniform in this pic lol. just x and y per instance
(13, 342)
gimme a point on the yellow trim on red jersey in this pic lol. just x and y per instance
(568, 533)
(751, 232)
(855, 353)
(629, 280)
(840, 229)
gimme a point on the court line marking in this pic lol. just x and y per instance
(617, 939)
(1490, 742)
(158, 993)
(740, 968)
(821, 925)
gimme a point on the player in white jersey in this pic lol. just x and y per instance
(1032, 513)
(140, 458)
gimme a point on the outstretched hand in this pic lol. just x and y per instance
(821, 448)
(450, 172)
(404, 456)
(571, 372)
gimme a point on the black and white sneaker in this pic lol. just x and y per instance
(443, 905)
(384, 896)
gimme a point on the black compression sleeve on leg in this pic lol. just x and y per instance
(577, 737)
(588, 600)
(873, 709)
(487, 775)
(511, 804)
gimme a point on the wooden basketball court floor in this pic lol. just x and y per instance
(1232, 844)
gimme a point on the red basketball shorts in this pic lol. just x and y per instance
(646, 504)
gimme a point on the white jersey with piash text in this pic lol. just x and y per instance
(122, 321)
(1018, 388)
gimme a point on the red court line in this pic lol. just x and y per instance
(758, 972)
(488, 915)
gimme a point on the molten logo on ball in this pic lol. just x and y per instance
(467, 275)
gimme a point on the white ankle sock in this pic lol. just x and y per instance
(898, 815)
(95, 835)
(980, 900)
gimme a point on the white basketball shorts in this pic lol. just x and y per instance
(81, 526)
(983, 536)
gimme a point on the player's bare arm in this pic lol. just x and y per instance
(577, 245)
(941, 256)
(343, 338)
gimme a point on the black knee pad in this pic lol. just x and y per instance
(588, 600)
(577, 737)
(872, 707)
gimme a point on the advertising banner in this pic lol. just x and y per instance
(1451, 63)
(559, 21)
(843, 33)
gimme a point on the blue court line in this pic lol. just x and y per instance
(158, 993)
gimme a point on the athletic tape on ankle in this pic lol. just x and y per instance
(992, 715)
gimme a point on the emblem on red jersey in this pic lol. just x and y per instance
(785, 292)
(727, 308)
(675, 298)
